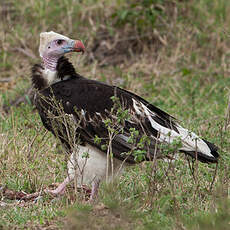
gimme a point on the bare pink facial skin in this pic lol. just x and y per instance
(54, 45)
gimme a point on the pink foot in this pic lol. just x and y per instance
(60, 190)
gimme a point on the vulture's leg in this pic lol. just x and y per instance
(60, 190)
(94, 192)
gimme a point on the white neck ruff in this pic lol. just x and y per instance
(50, 76)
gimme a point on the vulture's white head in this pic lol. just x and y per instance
(54, 45)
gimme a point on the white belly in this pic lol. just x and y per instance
(88, 164)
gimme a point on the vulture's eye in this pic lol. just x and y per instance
(59, 42)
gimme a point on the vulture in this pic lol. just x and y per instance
(104, 128)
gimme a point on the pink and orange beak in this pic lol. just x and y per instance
(79, 46)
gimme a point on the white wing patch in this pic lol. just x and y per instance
(190, 141)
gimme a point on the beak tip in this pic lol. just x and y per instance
(79, 46)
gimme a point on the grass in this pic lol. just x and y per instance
(178, 60)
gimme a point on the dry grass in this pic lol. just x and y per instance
(182, 67)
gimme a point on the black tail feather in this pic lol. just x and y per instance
(203, 157)
(213, 149)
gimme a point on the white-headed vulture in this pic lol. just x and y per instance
(103, 117)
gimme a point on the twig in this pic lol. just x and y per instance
(26, 52)
(227, 115)
(191, 167)
(214, 178)
(14, 195)
(8, 79)
(31, 196)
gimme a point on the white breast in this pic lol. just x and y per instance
(88, 164)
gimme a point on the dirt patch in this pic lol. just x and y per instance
(99, 217)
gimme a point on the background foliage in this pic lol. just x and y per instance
(174, 53)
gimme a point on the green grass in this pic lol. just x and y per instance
(21, 216)
(182, 66)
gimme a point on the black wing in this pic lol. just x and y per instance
(90, 104)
